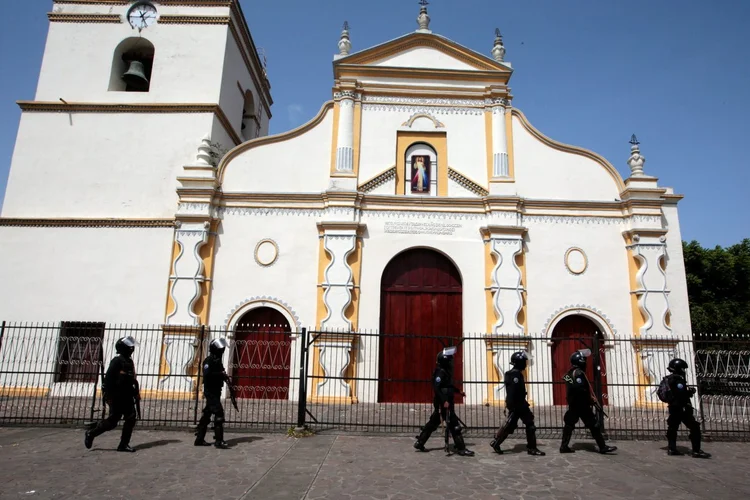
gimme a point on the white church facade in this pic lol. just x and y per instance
(418, 201)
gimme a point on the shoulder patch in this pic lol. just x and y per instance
(205, 367)
(515, 380)
(437, 379)
(579, 380)
(680, 386)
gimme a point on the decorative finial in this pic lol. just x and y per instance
(636, 160)
(498, 51)
(344, 44)
(423, 20)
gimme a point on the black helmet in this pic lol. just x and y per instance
(519, 359)
(678, 366)
(125, 346)
(445, 358)
(578, 358)
(217, 346)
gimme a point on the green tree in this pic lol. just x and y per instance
(718, 282)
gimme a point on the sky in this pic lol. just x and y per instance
(586, 72)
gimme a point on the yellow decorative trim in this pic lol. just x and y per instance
(271, 139)
(493, 377)
(636, 316)
(208, 255)
(78, 107)
(413, 118)
(490, 261)
(353, 72)
(169, 306)
(439, 142)
(357, 136)
(509, 142)
(335, 136)
(193, 19)
(585, 260)
(488, 141)
(55, 17)
(378, 180)
(276, 252)
(24, 392)
(467, 183)
(350, 372)
(612, 171)
(411, 41)
(150, 223)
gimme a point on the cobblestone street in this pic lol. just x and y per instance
(47, 463)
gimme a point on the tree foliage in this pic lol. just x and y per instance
(718, 282)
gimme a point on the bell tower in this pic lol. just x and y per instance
(127, 92)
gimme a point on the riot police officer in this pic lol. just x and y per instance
(442, 384)
(680, 409)
(120, 389)
(580, 402)
(214, 377)
(517, 407)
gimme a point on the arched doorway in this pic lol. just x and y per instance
(420, 300)
(571, 334)
(261, 354)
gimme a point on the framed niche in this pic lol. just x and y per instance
(420, 176)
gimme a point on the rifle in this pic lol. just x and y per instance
(446, 421)
(232, 395)
(137, 399)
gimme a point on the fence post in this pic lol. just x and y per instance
(198, 380)
(302, 393)
(96, 379)
(2, 334)
(698, 383)
(598, 379)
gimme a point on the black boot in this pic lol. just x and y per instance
(600, 443)
(672, 450)
(461, 449)
(465, 452)
(419, 446)
(219, 434)
(125, 448)
(501, 436)
(88, 440)
(695, 440)
(531, 448)
(495, 445)
(566, 435)
(700, 454)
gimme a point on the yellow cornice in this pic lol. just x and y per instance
(82, 107)
(386, 89)
(271, 139)
(448, 47)
(488, 231)
(653, 232)
(29, 222)
(55, 17)
(612, 171)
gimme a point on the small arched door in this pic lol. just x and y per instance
(420, 314)
(261, 354)
(571, 334)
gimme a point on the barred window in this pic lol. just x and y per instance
(78, 351)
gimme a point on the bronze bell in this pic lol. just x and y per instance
(135, 76)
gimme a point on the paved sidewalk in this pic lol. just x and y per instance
(52, 463)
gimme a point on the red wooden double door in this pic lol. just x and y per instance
(421, 312)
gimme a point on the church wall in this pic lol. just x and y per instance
(291, 279)
(602, 290)
(465, 134)
(676, 279)
(542, 172)
(115, 275)
(119, 165)
(78, 61)
(298, 165)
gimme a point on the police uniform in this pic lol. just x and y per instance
(518, 409)
(681, 411)
(580, 406)
(120, 391)
(214, 376)
(444, 392)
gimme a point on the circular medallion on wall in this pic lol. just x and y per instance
(576, 261)
(266, 252)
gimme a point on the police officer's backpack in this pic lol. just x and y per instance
(664, 392)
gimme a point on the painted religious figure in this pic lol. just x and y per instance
(420, 174)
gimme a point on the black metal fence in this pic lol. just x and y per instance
(363, 382)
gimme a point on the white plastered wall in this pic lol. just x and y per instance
(120, 165)
(542, 172)
(467, 150)
(297, 165)
(679, 305)
(84, 274)
(424, 57)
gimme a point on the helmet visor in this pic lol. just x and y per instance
(220, 343)
(585, 352)
(129, 341)
(449, 351)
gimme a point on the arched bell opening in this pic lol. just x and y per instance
(132, 64)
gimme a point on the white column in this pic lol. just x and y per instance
(338, 278)
(651, 283)
(345, 137)
(334, 359)
(188, 275)
(499, 140)
(506, 284)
